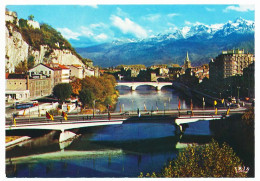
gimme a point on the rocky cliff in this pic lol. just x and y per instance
(17, 50)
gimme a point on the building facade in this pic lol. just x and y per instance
(57, 72)
(42, 69)
(229, 63)
(22, 87)
(76, 71)
(249, 79)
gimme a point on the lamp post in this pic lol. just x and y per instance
(132, 105)
(169, 103)
(164, 108)
(238, 93)
(94, 102)
(203, 103)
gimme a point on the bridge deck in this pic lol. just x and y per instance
(190, 119)
(79, 121)
(64, 125)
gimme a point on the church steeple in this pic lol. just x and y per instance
(187, 57)
(187, 63)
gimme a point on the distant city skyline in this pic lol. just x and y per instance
(85, 25)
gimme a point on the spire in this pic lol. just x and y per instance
(187, 57)
(187, 63)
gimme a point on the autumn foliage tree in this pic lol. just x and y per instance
(249, 117)
(210, 160)
(76, 86)
(103, 89)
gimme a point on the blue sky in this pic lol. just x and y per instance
(85, 25)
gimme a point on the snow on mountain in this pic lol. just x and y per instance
(239, 26)
(199, 30)
(202, 41)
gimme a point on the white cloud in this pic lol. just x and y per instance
(85, 31)
(152, 17)
(68, 34)
(240, 8)
(97, 25)
(210, 9)
(188, 23)
(120, 12)
(101, 37)
(93, 5)
(93, 33)
(128, 26)
(172, 15)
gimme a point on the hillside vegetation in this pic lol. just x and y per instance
(46, 35)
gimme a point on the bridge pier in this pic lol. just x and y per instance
(65, 135)
(133, 88)
(158, 88)
(178, 129)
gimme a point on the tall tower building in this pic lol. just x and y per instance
(229, 63)
(187, 63)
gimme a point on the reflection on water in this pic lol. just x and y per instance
(110, 151)
(166, 99)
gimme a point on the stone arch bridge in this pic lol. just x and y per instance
(134, 85)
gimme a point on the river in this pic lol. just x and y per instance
(111, 151)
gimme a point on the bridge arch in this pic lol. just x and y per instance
(134, 85)
(124, 86)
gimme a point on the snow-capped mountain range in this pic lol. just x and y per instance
(239, 25)
(166, 48)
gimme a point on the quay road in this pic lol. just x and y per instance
(154, 115)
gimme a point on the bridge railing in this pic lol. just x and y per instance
(117, 115)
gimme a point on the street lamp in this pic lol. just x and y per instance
(94, 102)
(238, 93)
(164, 108)
(132, 105)
(203, 103)
(169, 103)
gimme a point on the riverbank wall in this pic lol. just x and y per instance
(191, 92)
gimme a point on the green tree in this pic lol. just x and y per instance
(30, 62)
(209, 160)
(31, 17)
(21, 67)
(86, 97)
(23, 23)
(62, 91)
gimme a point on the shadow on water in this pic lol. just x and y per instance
(107, 151)
(122, 150)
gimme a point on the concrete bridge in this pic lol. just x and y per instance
(80, 121)
(61, 126)
(134, 85)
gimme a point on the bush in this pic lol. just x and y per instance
(209, 160)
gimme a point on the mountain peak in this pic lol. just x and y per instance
(208, 31)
